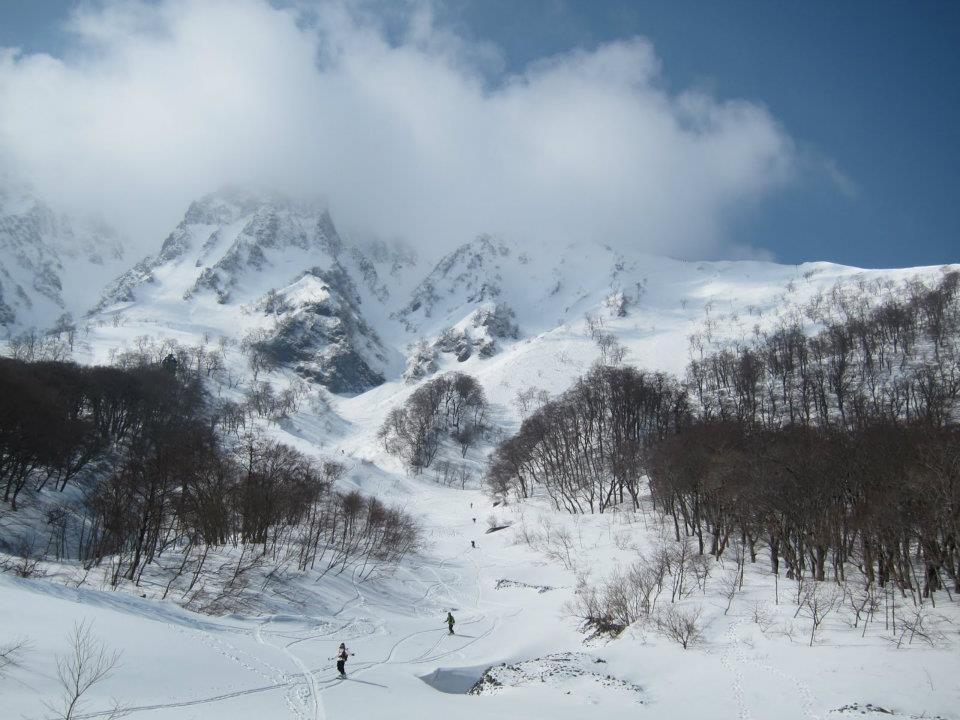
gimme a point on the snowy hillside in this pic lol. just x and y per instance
(242, 263)
(270, 270)
(313, 339)
(50, 263)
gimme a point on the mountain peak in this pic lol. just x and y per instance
(50, 262)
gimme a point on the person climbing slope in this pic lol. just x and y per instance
(342, 655)
(450, 622)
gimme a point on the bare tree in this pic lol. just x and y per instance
(681, 625)
(11, 654)
(914, 628)
(817, 603)
(87, 663)
(729, 584)
(25, 562)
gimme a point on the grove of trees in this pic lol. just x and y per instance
(165, 468)
(827, 451)
(452, 405)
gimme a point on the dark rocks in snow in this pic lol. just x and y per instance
(273, 224)
(456, 343)
(487, 291)
(343, 370)
(176, 244)
(122, 289)
(463, 349)
(421, 363)
(497, 321)
(319, 332)
(470, 273)
(448, 340)
(504, 583)
(486, 324)
(557, 669)
(618, 303)
(370, 276)
(209, 280)
(871, 709)
(486, 347)
(319, 348)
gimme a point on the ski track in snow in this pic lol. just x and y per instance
(312, 704)
(553, 352)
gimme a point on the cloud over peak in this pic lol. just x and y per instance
(412, 134)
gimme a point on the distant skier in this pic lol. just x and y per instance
(342, 655)
(473, 543)
(450, 622)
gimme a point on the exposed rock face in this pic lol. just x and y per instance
(228, 236)
(558, 671)
(497, 322)
(466, 287)
(274, 227)
(275, 259)
(471, 273)
(121, 289)
(319, 331)
(421, 362)
(479, 332)
(49, 262)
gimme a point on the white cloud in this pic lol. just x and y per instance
(158, 103)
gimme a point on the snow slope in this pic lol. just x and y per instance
(179, 665)
(212, 279)
(50, 263)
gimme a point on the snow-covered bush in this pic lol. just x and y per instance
(421, 362)
(497, 321)
(680, 624)
(618, 303)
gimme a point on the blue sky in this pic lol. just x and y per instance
(868, 92)
(874, 86)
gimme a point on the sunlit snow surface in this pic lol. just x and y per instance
(274, 658)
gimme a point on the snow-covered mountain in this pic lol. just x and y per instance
(50, 263)
(271, 271)
(276, 274)
(250, 277)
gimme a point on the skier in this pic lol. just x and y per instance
(342, 655)
(450, 621)
(473, 543)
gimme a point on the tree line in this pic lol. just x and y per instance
(585, 448)
(828, 451)
(896, 360)
(165, 468)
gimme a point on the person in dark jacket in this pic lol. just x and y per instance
(342, 655)
(450, 622)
